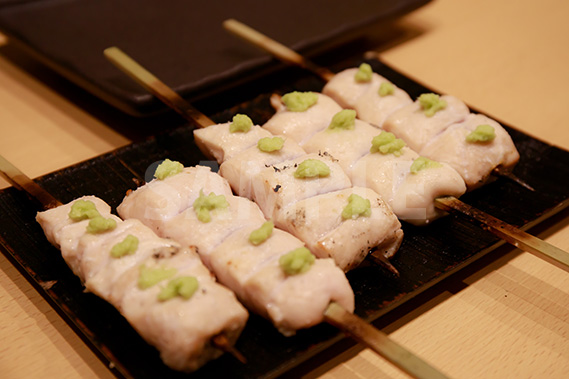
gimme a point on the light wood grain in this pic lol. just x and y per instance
(508, 319)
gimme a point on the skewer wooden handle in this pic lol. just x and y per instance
(379, 342)
(19, 180)
(155, 86)
(277, 49)
(507, 232)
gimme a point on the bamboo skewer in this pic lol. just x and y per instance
(22, 182)
(154, 85)
(277, 49)
(509, 233)
(390, 350)
(334, 314)
(19, 180)
(291, 57)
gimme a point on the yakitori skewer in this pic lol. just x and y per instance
(334, 313)
(515, 236)
(291, 57)
(178, 357)
(162, 91)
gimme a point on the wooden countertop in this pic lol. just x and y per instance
(506, 318)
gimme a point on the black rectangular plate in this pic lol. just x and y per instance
(181, 41)
(427, 255)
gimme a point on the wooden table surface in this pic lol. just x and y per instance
(506, 318)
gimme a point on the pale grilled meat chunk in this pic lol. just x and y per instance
(412, 125)
(65, 234)
(217, 142)
(346, 90)
(364, 97)
(319, 221)
(101, 271)
(242, 167)
(347, 146)
(188, 230)
(374, 108)
(182, 329)
(411, 196)
(474, 161)
(291, 302)
(161, 200)
(300, 126)
(276, 187)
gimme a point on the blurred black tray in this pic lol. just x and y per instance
(181, 41)
(427, 255)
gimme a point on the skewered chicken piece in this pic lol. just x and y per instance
(302, 125)
(255, 271)
(242, 168)
(160, 287)
(473, 154)
(412, 125)
(162, 200)
(220, 144)
(372, 99)
(345, 238)
(279, 186)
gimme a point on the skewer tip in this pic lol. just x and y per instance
(221, 342)
(155, 86)
(379, 258)
(22, 182)
(498, 171)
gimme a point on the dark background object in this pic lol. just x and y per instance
(427, 255)
(180, 41)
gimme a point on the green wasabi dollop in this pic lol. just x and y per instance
(150, 276)
(184, 286)
(204, 204)
(99, 224)
(357, 206)
(299, 101)
(423, 163)
(431, 103)
(386, 89)
(364, 73)
(296, 261)
(268, 144)
(240, 123)
(126, 247)
(168, 168)
(258, 236)
(83, 210)
(482, 133)
(312, 168)
(343, 120)
(386, 143)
